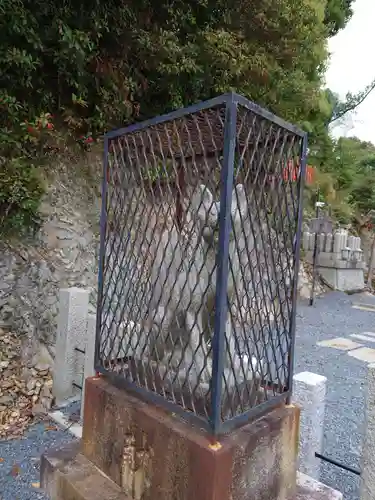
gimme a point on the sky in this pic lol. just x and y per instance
(352, 67)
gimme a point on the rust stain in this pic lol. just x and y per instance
(215, 446)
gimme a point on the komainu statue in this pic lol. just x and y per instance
(178, 330)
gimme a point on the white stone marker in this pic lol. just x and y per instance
(368, 451)
(71, 333)
(309, 392)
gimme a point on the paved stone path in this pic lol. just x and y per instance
(336, 338)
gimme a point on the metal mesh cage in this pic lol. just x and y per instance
(200, 235)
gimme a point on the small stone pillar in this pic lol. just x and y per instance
(329, 242)
(71, 333)
(309, 392)
(305, 241)
(368, 451)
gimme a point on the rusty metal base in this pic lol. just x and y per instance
(153, 455)
(130, 450)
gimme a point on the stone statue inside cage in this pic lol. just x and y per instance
(178, 330)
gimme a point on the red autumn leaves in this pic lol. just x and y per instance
(43, 122)
(86, 139)
(31, 129)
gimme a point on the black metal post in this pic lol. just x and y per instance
(316, 251)
(222, 259)
(103, 232)
(331, 461)
(297, 251)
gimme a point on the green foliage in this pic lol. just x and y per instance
(97, 65)
(21, 185)
(346, 178)
(107, 63)
(20, 192)
(273, 54)
(338, 13)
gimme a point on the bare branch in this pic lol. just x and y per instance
(352, 102)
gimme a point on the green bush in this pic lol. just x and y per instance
(97, 65)
(22, 144)
(21, 189)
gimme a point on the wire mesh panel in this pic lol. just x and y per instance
(200, 239)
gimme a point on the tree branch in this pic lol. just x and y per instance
(352, 102)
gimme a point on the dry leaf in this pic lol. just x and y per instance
(1, 461)
(50, 428)
(35, 485)
(15, 470)
(21, 400)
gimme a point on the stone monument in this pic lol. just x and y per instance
(339, 260)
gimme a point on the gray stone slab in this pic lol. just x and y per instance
(365, 354)
(309, 489)
(341, 343)
(345, 280)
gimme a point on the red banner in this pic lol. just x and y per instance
(291, 171)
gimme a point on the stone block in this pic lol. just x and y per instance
(345, 280)
(71, 333)
(349, 280)
(153, 455)
(66, 474)
(333, 260)
(309, 392)
(309, 489)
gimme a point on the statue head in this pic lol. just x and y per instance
(207, 212)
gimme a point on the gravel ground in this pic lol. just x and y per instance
(333, 316)
(20, 461)
(330, 317)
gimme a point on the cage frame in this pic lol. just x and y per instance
(214, 425)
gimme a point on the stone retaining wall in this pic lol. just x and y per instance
(62, 254)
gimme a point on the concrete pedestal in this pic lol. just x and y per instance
(345, 280)
(132, 450)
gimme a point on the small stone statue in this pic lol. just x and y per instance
(178, 326)
(184, 278)
(178, 330)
